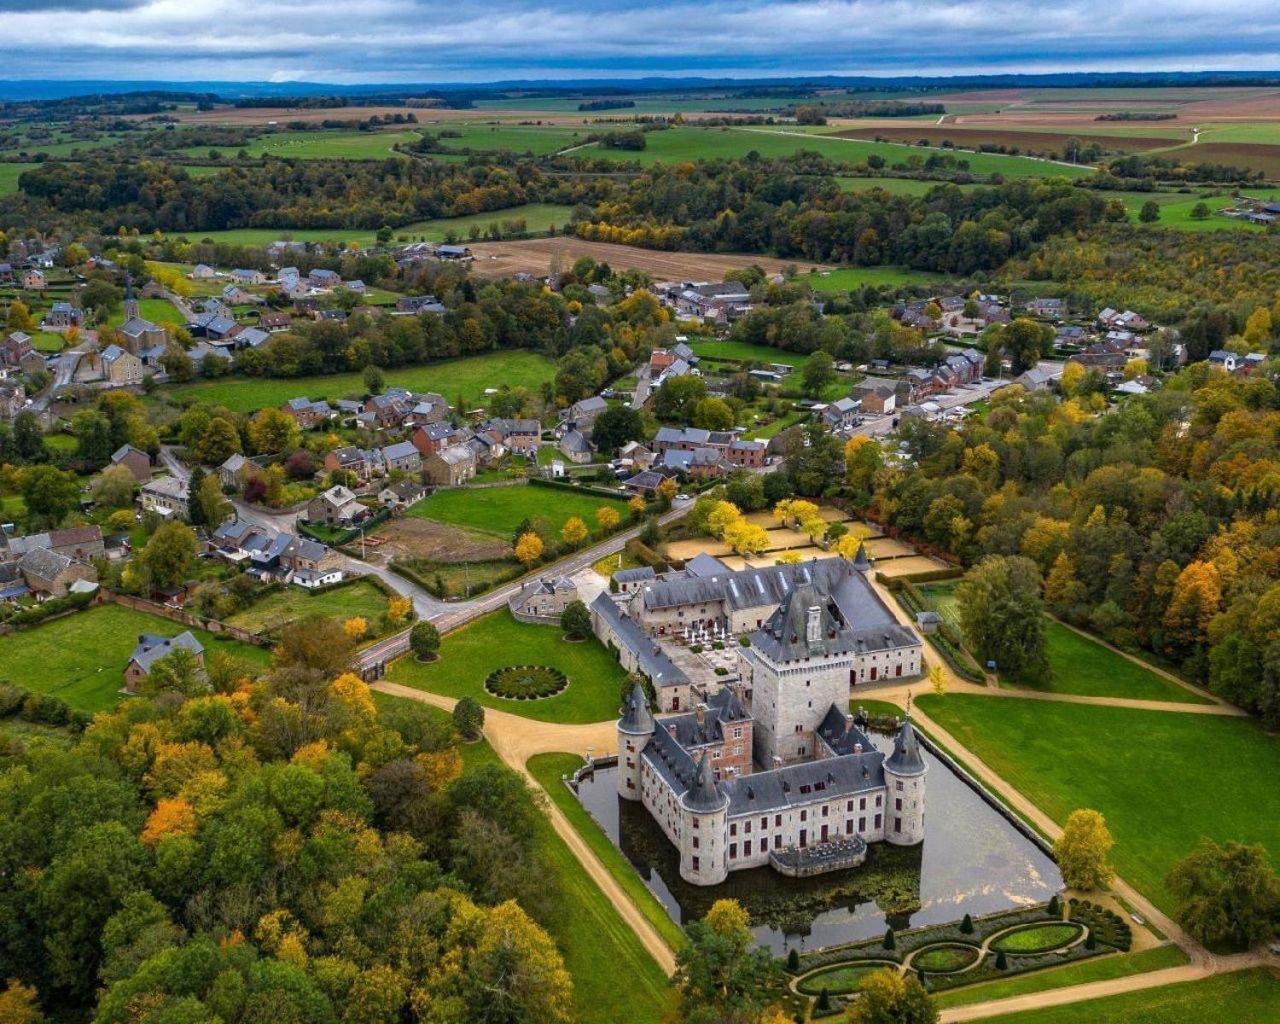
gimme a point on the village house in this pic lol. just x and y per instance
(306, 413)
(1049, 309)
(166, 496)
(241, 276)
(1223, 360)
(719, 302)
(432, 437)
(275, 322)
(321, 278)
(747, 454)
(517, 435)
(120, 367)
(50, 573)
(450, 467)
(310, 564)
(139, 334)
(419, 304)
(582, 414)
(14, 348)
(335, 507)
(202, 272)
(1111, 320)
(13, 399)
(402, 457)
(545, 598)
(389, 409)
(355, 460)
(213, 325)
(134, 460)
(402, 494)
(34, 280)
(152, 648)
(841, 414)
(62, 315)
(576, 447)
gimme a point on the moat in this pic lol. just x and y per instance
(972, 861)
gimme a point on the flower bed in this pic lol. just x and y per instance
(840, 980)
(1107, 926)
(525, 682)
(945, 958)
(1037, 938)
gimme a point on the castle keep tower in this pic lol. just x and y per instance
(706, 823)
(904, 773)
(635, 729)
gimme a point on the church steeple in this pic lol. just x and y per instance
(130, 303)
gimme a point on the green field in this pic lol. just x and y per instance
(679, 144)
(1080, 665)
(318, 145)
(548, 769)
(1246, 997)
(846, 279)
(502, 509)
(158, 311)
(540, 140)
(465, 378)
(1101, 968)
(469, 654)
(9, 177)
(1162, 779)
(724, 348)
(539, 218)
(894, 186)
(81, 658)
(276, 610)
(1176, 207)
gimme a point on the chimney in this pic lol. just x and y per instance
(702, 714)
(857, 748)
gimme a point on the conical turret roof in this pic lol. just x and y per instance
(860, 560)
(636, 717)
(906, 758)
(704, 795)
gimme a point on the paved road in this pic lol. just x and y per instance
(451, 616)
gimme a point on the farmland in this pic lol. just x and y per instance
(81, 657)
(457, 379)
(9, 174)
(847, 278)
(501, 510)
(538, 218)
(317, 145)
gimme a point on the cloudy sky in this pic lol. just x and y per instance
(482, 40)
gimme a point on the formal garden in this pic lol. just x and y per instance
(526, 682)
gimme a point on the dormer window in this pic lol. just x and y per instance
(813, 628)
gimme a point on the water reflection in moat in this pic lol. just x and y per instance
(972, 861)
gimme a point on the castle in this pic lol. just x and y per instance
(771, 768)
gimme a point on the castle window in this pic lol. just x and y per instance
(777, 821)
(898, 786)
(897, 824)
(733, 829)
(696, 865)
(696, 823)
(777, 842)
(849, 807)
(746, 827)
(824, 810)
(848, 827)
(746, 848)
(804, 815)
(862, 804)
(695, 842)
(877, 822)
(862, 824)
(733, 851)
(897, 805)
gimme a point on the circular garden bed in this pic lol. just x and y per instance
(525, 682)
(840, 979)
(945, 958)
(1037, 938)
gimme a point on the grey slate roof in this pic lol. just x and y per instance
(43, 564)
(827, 779)
(644, 572)
(152, 648)
(704, 794)
(906, 759)
(653, 663)
(636, 717)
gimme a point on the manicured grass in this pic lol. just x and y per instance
(945, 958)
(81, 657)
(538, 218)
(9, 174)
(495, 641)
(548, 769)
(1246, 997)
(847, 278)
(48, 341)
(502, 509)
(1162, 779)
(158, 311)
(1039, 938)
(277, 610)
(837, 980)
(725, 348)
(1081, 665)
(466, 378)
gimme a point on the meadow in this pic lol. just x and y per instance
(726, 348)
(81, 658)
(158, 311)
(9, 174)
(469, 654)
(501, 510)
(272, 613)
(317, 145)
(464, 380)
(1126, 763)
(832, 282)
(540, 140)
(538, 217)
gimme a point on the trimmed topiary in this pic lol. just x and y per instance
(966, 926)
(793, 959)
(1002, 961)
(526, 682)
(424, 639)
(824, 1001)
(1055, 906)
(890, 940)
(468, 718)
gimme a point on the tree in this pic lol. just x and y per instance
(574, 531)
(19, 1005)
(424, 640)
(575, 620)
(195, 511)
(1083, 850)
(635, 505)
(356, 627)
(1196, 599)
(1257, 329)
(721, 975)
(170, 554)
(217, 442)
(50, 494)
(93, 438)
(515, 974)
(113, 487)
(938, 680)
(1002, 616)
(667, 491)
(887, 997)
(274, 432)
(1200, 211)
(615, 427)
(818, 371)
(468, 718)
(316, 645)
(1062, 590)
(20, 317)
(211, 502)
(1227, 896)
(675, 400)
(1150, 212)
(712, 414)
(374, 381)
(528, 547)
(607, 518)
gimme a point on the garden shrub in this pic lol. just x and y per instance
(525, 682)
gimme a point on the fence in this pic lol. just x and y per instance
(186, 618)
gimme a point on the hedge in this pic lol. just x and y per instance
(944, 642)
(561, 485)
(40, 708)
(47, 610)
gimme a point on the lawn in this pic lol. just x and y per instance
(725, 348)
(1162, 779)
(495, 641)
(540, 140)
(1176, 207)
(538, 217)
(317, 145)
(1120, 965)
(597, 945)
(1081, 665)
(502, 509)
(833, 282)
(275, 611)
(158, 311)
(81, 657)
(548, 769)
(464, 379)
(1246, 997)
